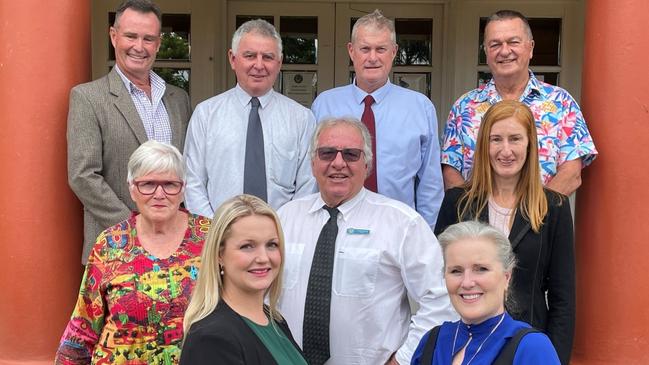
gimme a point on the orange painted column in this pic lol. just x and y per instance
(613, 202)
(44, 51)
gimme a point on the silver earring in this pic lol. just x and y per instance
(221, 270)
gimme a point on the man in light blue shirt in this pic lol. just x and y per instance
(217, 141)
(407, 146)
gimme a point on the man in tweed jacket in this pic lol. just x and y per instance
(110, 117)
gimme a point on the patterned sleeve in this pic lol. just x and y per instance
(576, 141)
(87, 320)
(451, 149)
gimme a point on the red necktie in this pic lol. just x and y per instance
(368, 120)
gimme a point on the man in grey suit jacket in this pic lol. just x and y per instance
(110, 117)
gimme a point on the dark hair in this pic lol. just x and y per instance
(141, 6)
(509, 14)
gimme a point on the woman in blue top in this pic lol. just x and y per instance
(478, 264)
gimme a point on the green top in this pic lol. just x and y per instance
(282, 349)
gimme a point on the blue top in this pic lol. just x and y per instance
(534, 348)
(407, 146)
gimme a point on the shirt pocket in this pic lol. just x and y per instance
(293, 253)
(356, 271)
(283, 165)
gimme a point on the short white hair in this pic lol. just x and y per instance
(154, 156)
(257, 26)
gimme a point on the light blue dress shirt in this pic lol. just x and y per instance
(407, 147)
(215, 149)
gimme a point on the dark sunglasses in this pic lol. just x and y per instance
(330, 153)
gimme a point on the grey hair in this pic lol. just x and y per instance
(377, 21)
(257, 26)
(507, 15)
(154, 156)
(474, 230)
(351, 122)
(141, 6)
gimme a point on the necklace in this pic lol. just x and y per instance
(483, 341)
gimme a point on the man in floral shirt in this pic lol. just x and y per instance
(565, 145)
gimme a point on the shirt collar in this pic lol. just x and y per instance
(484, 328)
(489, 93)
(378, 94)
(244, 98)
(158, 85)
(345, 208)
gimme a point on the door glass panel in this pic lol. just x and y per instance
(417, 81)
(300, 39)
(300, 86)
(414, 40)
(547, 41)
(174, 76)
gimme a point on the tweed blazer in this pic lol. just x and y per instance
(104, 128)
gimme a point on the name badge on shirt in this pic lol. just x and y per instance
(357, 231)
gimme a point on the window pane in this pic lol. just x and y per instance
(300, 86)
(300, 39)
(414, 40)
(547, 41)
(175, 76)
(175, 37)
(417, 81)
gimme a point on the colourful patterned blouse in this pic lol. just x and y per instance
(131, 304)
(560, 126)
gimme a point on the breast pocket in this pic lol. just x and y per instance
(355, 271)
(293, 259)
(283, 166)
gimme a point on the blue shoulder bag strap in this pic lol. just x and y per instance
(506, 356)
(429, 347)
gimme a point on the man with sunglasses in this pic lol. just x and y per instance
(403, 123)
(353, 257)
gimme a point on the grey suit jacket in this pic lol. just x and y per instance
(104, 128)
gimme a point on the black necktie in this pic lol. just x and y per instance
(318, 294)
(254, 172)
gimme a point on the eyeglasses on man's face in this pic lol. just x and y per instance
(148, 187)
(330, 153)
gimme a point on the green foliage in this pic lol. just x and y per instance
(174, 77)
(173, 47)
(299, 50)
(413, 52)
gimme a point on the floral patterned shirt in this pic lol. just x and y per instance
(131, 304)
(561, 128)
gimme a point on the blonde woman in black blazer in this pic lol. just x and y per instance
(227, 321)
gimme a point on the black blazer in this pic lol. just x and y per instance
(546, 263)
(224, 338)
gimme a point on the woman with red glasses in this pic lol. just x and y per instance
(141, 272)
